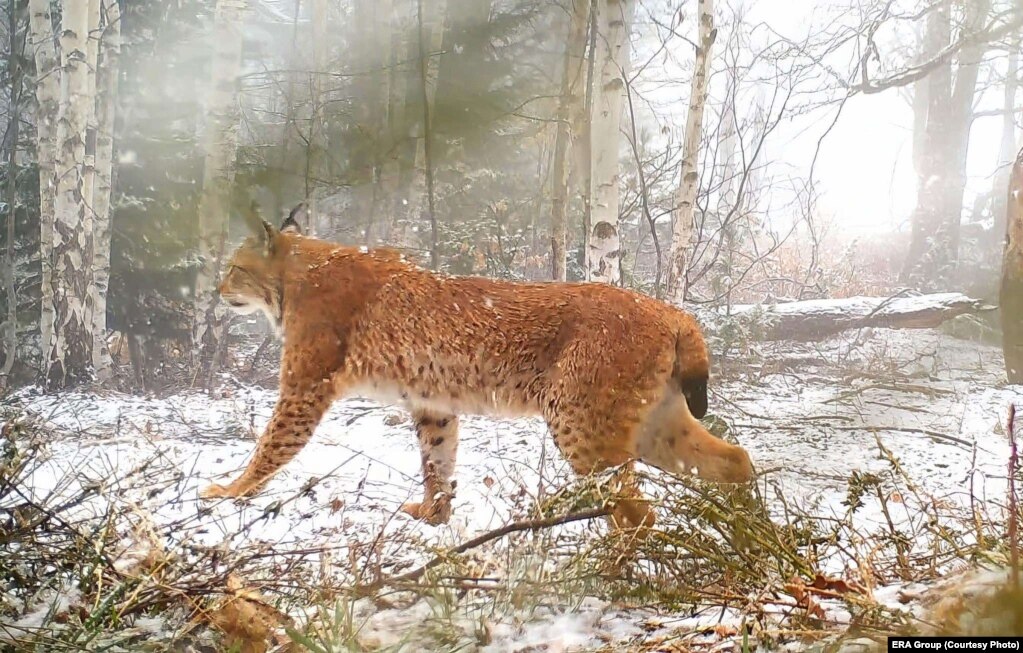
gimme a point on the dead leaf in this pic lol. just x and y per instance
(828, 584)
(804, 598)
(489, 482)
(336, 504)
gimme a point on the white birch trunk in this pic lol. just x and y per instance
(48, 106)
(106, 110)
(91, 64)
(220, 141)
(604, 253)
(579, 181)
(570, 103)
(682, 227)
(68, 355)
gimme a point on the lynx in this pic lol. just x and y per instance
(617, 376)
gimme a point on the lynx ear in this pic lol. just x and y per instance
(291, 223)
(269, 237)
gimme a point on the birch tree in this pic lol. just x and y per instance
(220, 142)
(570, 101)
(579, 177)
(91, 65)
(106, 102)
(1011, 294)
(47, 90)
(69, 351)
(682, 227)
(9, 323)
(612, 53)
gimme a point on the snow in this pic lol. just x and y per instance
(39, 614)
(936, 403)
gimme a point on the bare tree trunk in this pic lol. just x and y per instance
(384, 60)
(106, 109)
(68, 355)
(1007, 145)
(614, 21)
(220, 142)
(727, 211)
(941, 165)
(315, 143)
(570, 103)
(963, 93)
(47, 85)
(389, 197)
(928, 244)
(100, 357)
(1012, 276)
(682, 228)
(9, 326)
(290, 127)
(373, 112)
(431, 37)
(580, 177)
(91, 64)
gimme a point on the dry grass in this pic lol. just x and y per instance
(88, 569)
(96, 571)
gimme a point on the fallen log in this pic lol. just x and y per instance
(816, 319)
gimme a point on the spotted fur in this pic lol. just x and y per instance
(618, 376)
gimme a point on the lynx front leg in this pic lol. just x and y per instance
(438, 442)
(296, 415)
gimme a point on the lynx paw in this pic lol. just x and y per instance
(215, 491)
(434, 513)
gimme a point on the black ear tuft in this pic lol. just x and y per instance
(269, 236)
(291, 223)
(695, 391)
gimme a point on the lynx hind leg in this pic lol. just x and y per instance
(594, 445)
(670, 438)
(438, 444)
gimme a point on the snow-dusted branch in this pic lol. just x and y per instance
(819, 318)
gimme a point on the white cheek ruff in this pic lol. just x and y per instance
(245, 308)
(245, 304)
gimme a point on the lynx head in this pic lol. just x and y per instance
(251, 282)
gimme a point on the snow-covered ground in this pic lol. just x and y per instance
(810, 415)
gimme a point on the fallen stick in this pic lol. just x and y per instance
(480, 540)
